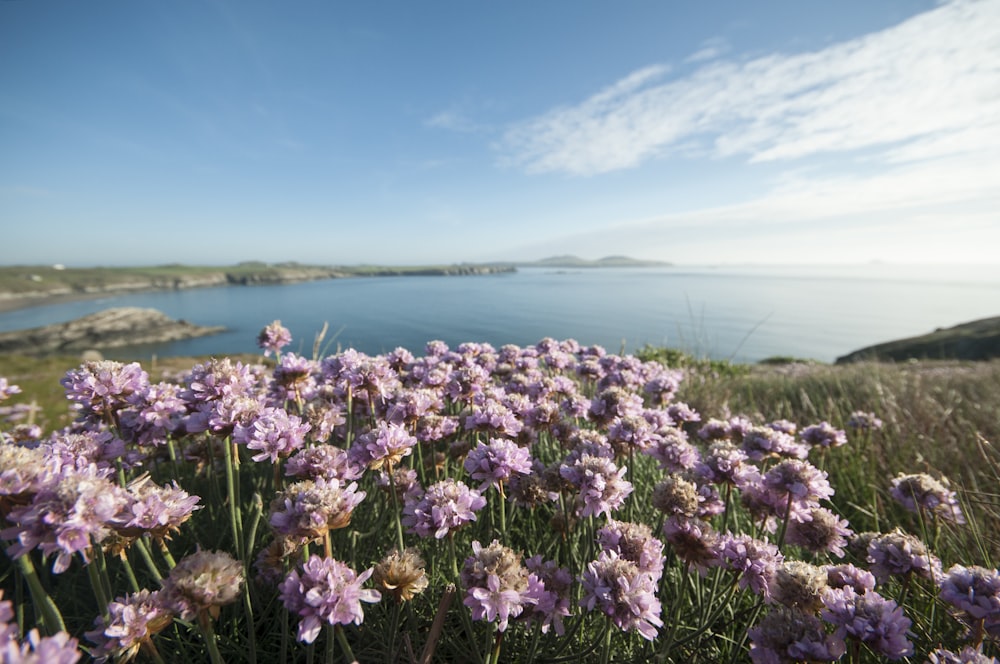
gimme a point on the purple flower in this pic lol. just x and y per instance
(294, 379)
(217, 379)
(496, 462)
(900, 554)
(682, 414)
(818, 530)
(156, 510)
(273, 338)
(968, 655)
(548, 587)
(494, 418)
(694, 542)
(66, 517)
(327, 591)
(310, 508)
(274, 433)
(864, 421)
(723, 463)
(132, 620)
(634, 542)
(387, 444)
(326, 461)
(615, 587)
(921, 492)
(600, 484)
(974, 589)
(441, 509)
(766, 442)
(495, 583)
(7, 390)
(787, 636)
(756, 561)
(870, 618)
(99, 389)
(823, 435)
(673, 451)
(614, 402)
(847, 575)
(797, 481)
(156, 413)
(202, 582)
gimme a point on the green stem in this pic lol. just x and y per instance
(208, 631)
(129, 572)
(342, 638)
(98, 587)
(234, 508)
(51, 617)
(140, 545)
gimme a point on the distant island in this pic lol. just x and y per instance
(608, 261)
(27, 285)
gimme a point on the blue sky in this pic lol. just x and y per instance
(213, 132)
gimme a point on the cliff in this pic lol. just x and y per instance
(977, 340)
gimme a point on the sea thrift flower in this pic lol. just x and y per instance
(327, 591)
(900, 554)
(614, 402)
(847, 575)
(676, 496)
(496, 462)
(798, 585)
(788, 636)
(495, 583)
(326, 461)
(549, 585)
(156, 413)
(132, 621)
(273, 338)
(766, 442)
(294, 380)
(615, 587)
(921, 492)
(870, 618)
(722, 464)
(401, 574)
(863, 421)
(7, 389)
(673, 451)
(441, 509)
(974, 590)
(756, 561)
(24, 471)
(798, 481)
(683, 414)
(156, 510)
(99, 389)
(818, 530)
(601, 487)
(310, 508)
(385, 445)
(66, 517)
(633, 542)
(274, 434)
(823, 435)
(694, 542)
(631, 434)
(967, 655)
(202, 582)
(216, 379)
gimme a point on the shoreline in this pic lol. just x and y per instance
(8, 304)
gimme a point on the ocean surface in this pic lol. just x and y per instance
(739, 313)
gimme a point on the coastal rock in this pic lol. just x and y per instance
(111, 328)
(977, 340)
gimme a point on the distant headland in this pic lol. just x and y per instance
(28, 285)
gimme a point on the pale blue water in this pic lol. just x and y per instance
(743, 313)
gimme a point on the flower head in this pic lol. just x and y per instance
(442, 508)
(327, 591)
(273, 338)
(203, 581)
(615, 587)
(495, 462)
(787, 636)
(870, 618)
(495, 583)
(308, 509)
(132, 620)
(401, 574)
(922, 493)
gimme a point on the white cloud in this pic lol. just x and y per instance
(929, 86)
(710, 49)
(452, 121)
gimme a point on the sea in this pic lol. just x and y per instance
(738, 313)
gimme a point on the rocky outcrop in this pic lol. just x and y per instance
(978, 340)
(111, 328)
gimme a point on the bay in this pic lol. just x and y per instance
(744, 313)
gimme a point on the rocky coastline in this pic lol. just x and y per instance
(111, 328)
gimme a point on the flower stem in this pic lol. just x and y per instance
(51, 617)
(233, 498)
(342, 638)
(205, 622)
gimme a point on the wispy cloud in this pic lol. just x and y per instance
(710, 49)
(927, 87)
(453, 121)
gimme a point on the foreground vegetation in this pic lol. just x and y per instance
(550, 503)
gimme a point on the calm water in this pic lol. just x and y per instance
(744, 313)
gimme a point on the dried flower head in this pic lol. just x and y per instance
(401, 574)
(202, 582)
